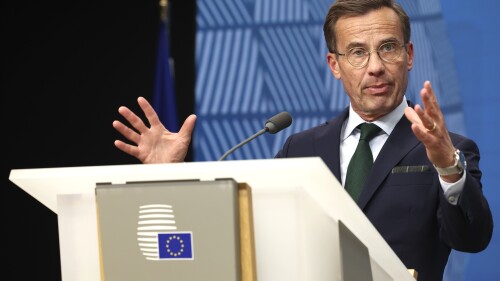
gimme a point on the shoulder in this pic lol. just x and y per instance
(463, 143)
(329, 127)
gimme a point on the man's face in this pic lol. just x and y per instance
(378, 87)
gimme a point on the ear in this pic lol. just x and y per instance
(333, 63)
(410, 54)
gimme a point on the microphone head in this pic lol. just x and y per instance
(278, 122)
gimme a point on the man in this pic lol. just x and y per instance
(423, 192)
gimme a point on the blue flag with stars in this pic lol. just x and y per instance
(175, 246)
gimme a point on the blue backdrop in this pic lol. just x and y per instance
(255, 58)
(474, 33)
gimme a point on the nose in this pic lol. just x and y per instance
(375, 64)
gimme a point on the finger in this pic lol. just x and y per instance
(412, 116)
(426, 120)
(427, 96)
(419, 128)
(128, 133)
(429, 100)
(416, 115)
(133, 119)
(188, 126)
(149, 112)
(421, 133)
(127, 148)
(431, 96)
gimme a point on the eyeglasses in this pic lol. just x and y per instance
(359, 57)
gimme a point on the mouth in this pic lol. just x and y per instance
(377, 89)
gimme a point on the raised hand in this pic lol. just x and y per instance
(429, 127)
(154, 144)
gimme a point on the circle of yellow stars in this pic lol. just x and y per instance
(170, 240)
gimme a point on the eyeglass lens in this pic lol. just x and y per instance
(388, 52)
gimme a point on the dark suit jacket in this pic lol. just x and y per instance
(409, 209)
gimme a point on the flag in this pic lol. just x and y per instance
(175, 246)
(164, 96)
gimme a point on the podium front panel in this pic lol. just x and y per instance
(175, 230)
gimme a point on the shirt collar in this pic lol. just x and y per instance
(386, 123)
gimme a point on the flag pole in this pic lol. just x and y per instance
(164, 10)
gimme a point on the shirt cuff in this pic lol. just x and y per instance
(452, 190)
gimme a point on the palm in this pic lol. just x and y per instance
(154, 144)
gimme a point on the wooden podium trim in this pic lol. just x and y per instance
(247, 242)
(101, 262)
(413, 273)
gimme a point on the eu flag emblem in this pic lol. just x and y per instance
(175, 246)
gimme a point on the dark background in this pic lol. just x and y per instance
(66, 68)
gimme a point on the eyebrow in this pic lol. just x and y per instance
(363, 45)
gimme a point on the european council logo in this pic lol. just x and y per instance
(158, 237)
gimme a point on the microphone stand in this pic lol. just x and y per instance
(263, 131)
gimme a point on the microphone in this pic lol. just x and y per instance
(273, 125)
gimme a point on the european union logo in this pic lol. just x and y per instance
(175, 246)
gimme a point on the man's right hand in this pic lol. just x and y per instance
(154, 144)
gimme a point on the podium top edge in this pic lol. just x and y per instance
(56, 171)
(46, 184)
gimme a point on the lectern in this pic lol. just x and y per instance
(306, 227)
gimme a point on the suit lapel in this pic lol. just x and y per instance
(399, 143)
(328, 141)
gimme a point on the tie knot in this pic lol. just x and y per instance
(368, 131)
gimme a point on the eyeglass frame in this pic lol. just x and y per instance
(403, 45)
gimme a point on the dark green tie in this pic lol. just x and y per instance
(361, 162)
